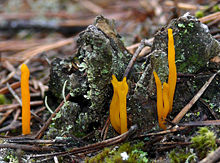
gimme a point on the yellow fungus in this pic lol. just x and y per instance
(118, 111)
(165, 95)
(25, 95)
(172, 68)
(114, 111)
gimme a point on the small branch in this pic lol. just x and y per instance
(95, 146)
(143, 43)
(25, 147)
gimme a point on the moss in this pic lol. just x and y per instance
(133, 153)
(99, 157)
(199, 14)
(216, 8)
(204, 142)
(3, 99)
(179, 156)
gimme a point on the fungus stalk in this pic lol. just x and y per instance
(118, 111)
(25, 95)
(159, 100)
(165, 102)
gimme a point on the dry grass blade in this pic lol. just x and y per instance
(91, 6)
(15, 106)
(210, 17)
(30, 53)
(14, 124)
(5, 116)
(13, 86)
(184, 6)
(20, 45)
(14, 94)
(10, 75)
(73, 23)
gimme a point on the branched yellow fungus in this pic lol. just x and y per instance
(162, 101)
(165, 95)
(172, 68)
(118, 111)
(25, 95)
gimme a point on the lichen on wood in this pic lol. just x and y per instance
(100, 54)
(194, 45)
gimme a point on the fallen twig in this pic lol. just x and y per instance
(194, 99)
(212, 157)
(26, 147)
(143, 43)
(15, 106)
(201, 123)
(95, 146)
